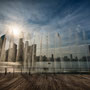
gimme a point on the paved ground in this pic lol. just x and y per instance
(45, 82)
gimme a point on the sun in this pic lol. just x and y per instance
(15, 31)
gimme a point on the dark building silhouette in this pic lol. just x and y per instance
(84, 58)
(76, 59)
(14, 52)
(71, 57)
(20, 51)
(58, 59)
(26, 54)
(6, 56)
(2, 47)
(33, 55)
(29, 56)
(2, 38)
(37, 58)
(52, 57)
(66, 58)
(44, 58)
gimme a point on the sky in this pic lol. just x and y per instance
(66, 22)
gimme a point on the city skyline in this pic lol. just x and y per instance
(23, 58)
(44, 44)
(57, 28)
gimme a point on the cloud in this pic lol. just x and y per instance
(48, 17)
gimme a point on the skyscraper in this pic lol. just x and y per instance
(2, 38)
(2, 46)
(26, 54)
(33, 55)
(30, 57)
(20, 51)
(14, 52)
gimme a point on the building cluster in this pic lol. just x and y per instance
(23, 53)
(65, 58)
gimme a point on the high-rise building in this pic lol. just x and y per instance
(29, 56)
(14, 52)
(6, 55)
(2, 46)
(26, 54)
(33, 55)
(2, 38)
(71, 57)
(10, 54)
(52, 57)
(20, 51)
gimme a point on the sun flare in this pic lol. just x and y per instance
(14, 30)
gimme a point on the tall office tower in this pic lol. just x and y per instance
(3, 43)
(29, 56)
(20, 51)
(10, 55)
(2, 38)
(14, 52)
(26, 55)
(52, 57)
(6, 56)
(71, 57)
(33, 55)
